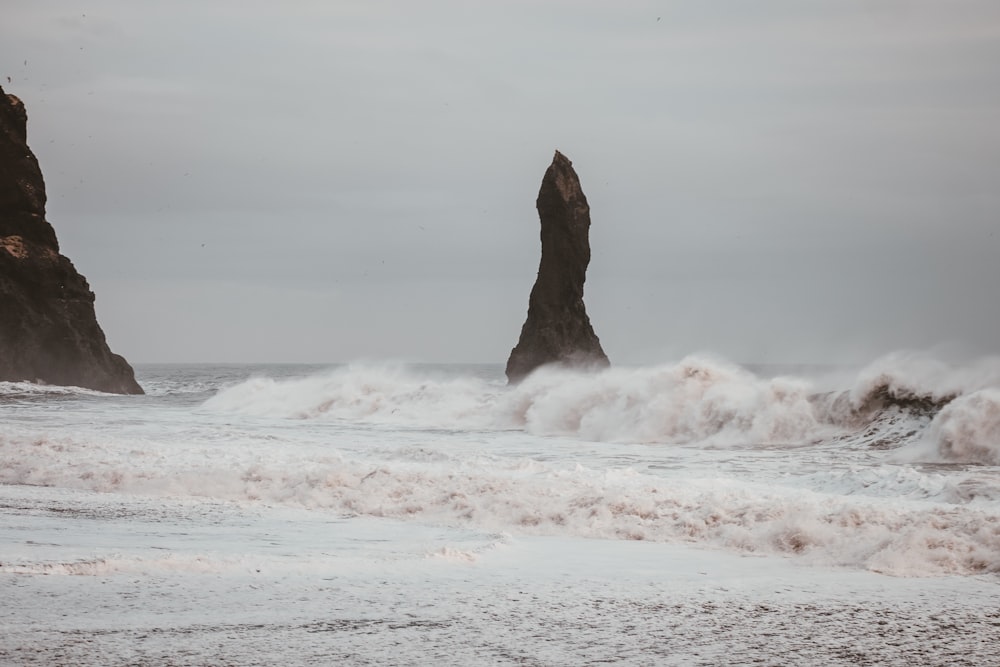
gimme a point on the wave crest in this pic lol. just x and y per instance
(695, 400)
(915, 380)
(381, 393)
(967, 430)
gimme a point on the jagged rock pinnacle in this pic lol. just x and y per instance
(48, 330)
(557, 329)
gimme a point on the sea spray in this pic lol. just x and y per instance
(701, 452)
(696, 400)
(968, 429)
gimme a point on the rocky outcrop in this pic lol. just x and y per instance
(558, 330)
(48, 329)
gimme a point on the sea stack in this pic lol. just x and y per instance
(558, 330)
(48, 330)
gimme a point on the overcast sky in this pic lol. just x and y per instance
(777, 181)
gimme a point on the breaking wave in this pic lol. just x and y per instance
(914, 379)
(699, 400)
(386, 393)
(538, 498)
(695, 400)
(399, 442)
(13, 390)
(968, 428)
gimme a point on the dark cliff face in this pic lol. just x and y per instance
(48, 329)
(557, 329)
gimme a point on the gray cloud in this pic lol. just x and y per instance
(772, 181)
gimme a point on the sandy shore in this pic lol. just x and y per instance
(536, 601)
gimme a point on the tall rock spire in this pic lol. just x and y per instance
(48, 329)
(557, 329)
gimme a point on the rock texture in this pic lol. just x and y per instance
(48, 330)
(557, 329)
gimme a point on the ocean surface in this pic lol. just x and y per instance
(690, 513)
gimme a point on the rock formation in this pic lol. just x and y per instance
(48, 329)
(557, 329)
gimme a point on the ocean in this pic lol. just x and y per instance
(697, 512)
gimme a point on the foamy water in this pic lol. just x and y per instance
(369, 472)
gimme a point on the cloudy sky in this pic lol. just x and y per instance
(775, 181)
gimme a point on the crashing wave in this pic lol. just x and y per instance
(907, 539)
(967, 430)
(698, 400)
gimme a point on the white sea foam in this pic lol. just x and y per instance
(699, 451)
(387, 393)
(897, 537)
(886, 481)
(968, 429)
(40, 389)
(199, 564)
(696, 400)
(359, 510)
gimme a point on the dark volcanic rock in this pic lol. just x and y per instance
(557, 329)
(48, 330)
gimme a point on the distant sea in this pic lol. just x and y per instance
(691, 513)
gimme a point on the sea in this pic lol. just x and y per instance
(694, 512)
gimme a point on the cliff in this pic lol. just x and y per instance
(48, 330)
(557, 329)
